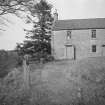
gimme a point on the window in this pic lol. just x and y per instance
(68, 35)
(93, 33)
(93, 48)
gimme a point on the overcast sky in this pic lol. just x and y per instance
(67, 9)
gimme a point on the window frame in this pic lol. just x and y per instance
(94, 48)
(93, 33)
(68, 36)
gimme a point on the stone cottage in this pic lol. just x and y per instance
(78, 38)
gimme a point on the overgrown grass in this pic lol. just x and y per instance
(57, 83)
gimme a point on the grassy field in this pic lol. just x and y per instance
(68, 82)
(59, 83)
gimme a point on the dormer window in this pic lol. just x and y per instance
(93, 33)
(68, 34)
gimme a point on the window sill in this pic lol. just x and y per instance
(93, 38)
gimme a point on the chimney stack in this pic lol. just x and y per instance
(55, 16)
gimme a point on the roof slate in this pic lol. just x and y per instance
(77, 24)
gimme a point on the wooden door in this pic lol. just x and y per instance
(70, 52)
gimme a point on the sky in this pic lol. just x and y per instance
(67, 9)
(71, 9)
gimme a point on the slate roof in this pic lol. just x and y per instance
(77, 24)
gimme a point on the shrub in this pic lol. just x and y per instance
(8, 60)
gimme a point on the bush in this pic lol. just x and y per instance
(8, 60)
(19, 61)
(49, 58)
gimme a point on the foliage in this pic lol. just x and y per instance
(8, 60)
(38, 43)
(3, 63)
(11, 90)
(13, 6)
(60, 83)
(20, 8)
(37, 13)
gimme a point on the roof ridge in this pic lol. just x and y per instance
(81, 19)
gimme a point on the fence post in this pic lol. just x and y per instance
(26, 72)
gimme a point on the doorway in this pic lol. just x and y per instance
(70, 52)
(103, 50)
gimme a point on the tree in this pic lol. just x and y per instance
(17, 7)
(12, 6)
(39, 38)
(40, 35)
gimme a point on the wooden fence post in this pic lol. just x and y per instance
(26, 72)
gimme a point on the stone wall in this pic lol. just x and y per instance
(81, 40)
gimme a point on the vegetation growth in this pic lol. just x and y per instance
(38, 44)
(57, 83)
